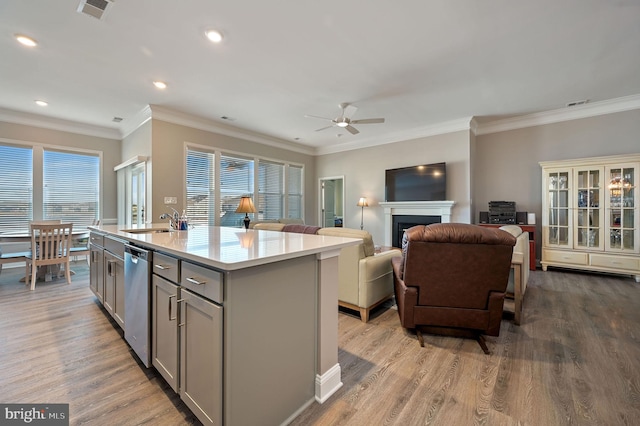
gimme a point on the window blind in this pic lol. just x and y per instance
(236, 180)
(271, 190)
(200, 187)
(16, 187)
(71, 187)
(295, 192)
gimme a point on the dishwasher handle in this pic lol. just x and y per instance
(136, 253)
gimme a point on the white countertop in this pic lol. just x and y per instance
(229, 249)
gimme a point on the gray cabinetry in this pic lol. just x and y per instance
(201, 357)
(113, 297)
(96, 264)
(187, 333)
(164, 323)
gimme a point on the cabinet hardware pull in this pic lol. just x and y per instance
(172, 319)
(162, 267)
(195, 281)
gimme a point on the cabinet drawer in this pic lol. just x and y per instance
(203, 281)
(96, 239)
(166, 266)
(615, 262)
(115, 246)
(559, 256)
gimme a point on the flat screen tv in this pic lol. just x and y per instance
(427, 182)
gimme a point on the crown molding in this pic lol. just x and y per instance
(35, 120)
(610, 106)
(422, 132)
(180, 118)
(134, 123)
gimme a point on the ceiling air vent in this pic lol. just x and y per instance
(94, 8)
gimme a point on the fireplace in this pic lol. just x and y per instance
(403, 222)
(411, 213)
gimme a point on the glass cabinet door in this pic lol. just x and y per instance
(622, 206)
(588, 219)
(558, 185)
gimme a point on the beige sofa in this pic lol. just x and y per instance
(365, 277)
(283, 221)
(519, 276)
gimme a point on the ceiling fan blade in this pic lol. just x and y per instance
(349, 110)
(352, 130)
(316, 116)
(324, 128)
(368, 121)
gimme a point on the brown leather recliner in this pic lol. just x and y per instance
(452, 279)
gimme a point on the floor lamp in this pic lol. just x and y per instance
(362, 203)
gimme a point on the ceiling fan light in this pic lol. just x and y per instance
(342, 124)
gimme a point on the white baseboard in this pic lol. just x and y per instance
(328, 383)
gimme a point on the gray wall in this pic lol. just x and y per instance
(167, 162)
(363, 170)
(506, 163)
(110, 149)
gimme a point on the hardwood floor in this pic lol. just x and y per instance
(575, 360)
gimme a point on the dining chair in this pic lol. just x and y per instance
(83, 249)
(50, 245)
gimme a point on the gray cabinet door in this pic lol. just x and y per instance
(201, 357)
(117, 270)
(164, 334)
(96, 272)
(109, 295)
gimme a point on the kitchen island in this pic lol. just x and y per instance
(274, 301)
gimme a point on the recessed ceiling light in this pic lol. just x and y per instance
(27, 41)
(42, 103)
(160, 84)
(214, 36)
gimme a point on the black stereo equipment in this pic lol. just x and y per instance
(484, 217)
(502, 212)
(521, 218)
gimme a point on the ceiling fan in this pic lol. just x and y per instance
(344, 120)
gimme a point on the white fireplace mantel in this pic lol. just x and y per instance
(414, 208)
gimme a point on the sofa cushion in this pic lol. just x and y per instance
(367, 240)
(269, 226)
(300, 229)
(514, 230)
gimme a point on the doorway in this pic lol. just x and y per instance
(331, 201)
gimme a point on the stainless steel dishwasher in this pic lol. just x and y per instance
(137, 278)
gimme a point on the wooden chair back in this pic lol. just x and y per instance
(50, 245)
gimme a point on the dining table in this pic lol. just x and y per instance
(24, 236)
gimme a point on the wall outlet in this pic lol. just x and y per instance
(171, 200)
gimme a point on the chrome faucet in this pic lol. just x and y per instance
(173, 219)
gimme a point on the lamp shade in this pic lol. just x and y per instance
(362, 202)
(246, 206)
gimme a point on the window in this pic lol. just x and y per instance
(200, 187)
(217, 180)
(16, 187)
(71, 187)
(271, 190)
(294, 192)
(43, 183)
(236, 180)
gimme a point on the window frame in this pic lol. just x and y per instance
(218, 153)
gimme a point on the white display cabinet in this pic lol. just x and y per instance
(590, 214)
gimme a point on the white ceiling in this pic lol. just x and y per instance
(417, 63)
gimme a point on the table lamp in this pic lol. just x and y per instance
(246, 206)
(362, 203)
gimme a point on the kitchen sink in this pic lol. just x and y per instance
(146, 230)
